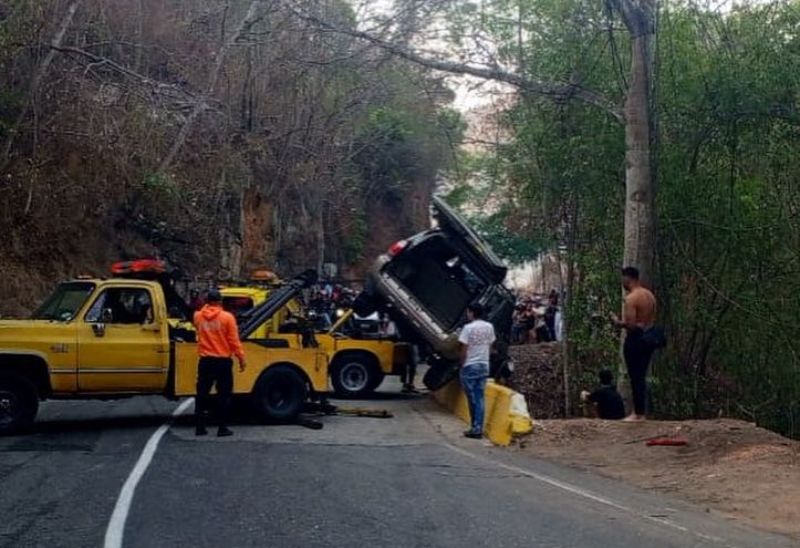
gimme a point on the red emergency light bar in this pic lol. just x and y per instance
(139, 266)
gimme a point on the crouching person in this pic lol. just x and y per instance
(476, 338)
(606, 400)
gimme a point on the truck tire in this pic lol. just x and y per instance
(439, 375)
(377, 380)
(19, 404)
(280, 394)
(355, 375)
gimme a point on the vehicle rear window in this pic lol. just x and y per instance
(65, 302)
(237, 305)
(439, 278)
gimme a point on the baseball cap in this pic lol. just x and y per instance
(214, 296)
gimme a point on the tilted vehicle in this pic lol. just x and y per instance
(128, 336)
(427, 281)
(358, 361)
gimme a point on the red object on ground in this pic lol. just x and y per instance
(667, 442)
(152, 266)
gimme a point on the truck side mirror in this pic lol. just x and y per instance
(107, 316)
(99, 329)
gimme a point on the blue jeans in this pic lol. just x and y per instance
(473, 379)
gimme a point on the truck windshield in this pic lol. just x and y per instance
(237, 305)
(65, 301)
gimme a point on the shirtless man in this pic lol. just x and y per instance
(638, 315)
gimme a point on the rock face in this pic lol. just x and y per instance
(249, 231)
(539, 376)
(250, 161)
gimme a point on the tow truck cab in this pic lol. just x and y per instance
(120, 337)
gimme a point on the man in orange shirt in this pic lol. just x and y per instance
(638, 316)
(218, 341)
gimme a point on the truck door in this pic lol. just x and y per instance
(123, 343)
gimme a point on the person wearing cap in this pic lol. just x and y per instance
(476, 338)
(218, 342)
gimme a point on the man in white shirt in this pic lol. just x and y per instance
(476, 338)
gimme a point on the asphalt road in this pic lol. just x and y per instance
(406, 481)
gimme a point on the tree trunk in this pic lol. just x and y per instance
(320, 237)
(566, 320)
(139, 37)
(640, 213)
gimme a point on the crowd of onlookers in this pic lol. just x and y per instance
(537, 319)
(325, 301)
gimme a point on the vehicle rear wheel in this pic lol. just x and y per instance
(439, 375)
(280, 394)
(19, 404)
(354, 376)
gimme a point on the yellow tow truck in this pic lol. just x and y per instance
(358, 364)
(131, 335)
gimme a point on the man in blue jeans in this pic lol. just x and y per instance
(476, 338)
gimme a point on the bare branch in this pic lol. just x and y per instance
(202, 102)
(36, 81)
(556, 91)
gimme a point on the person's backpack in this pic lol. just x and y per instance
(655, 338)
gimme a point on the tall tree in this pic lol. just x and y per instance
(635, 113)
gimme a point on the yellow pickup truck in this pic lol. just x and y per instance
(120, 337)
(358, 365)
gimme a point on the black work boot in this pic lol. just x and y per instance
(224, 432)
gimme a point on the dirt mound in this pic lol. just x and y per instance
(730, 466)
(539, 376)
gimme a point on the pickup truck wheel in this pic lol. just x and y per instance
(280, 394)
(377, 379)
(19, 404)
(354, 375)
(439, 375)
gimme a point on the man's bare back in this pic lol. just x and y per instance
(640, 308)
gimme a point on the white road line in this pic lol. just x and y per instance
(544, 479)
(583, 493)
(116, 526)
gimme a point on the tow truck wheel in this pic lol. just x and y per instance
(19, 404)
(280, 394)
(354, 375)
(377, 380)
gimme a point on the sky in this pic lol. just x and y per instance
(470, 92)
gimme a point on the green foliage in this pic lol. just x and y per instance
(405, 141)
(159, 185)
(510, 245)
(11, 101)
(726, 95)
(356, 240)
